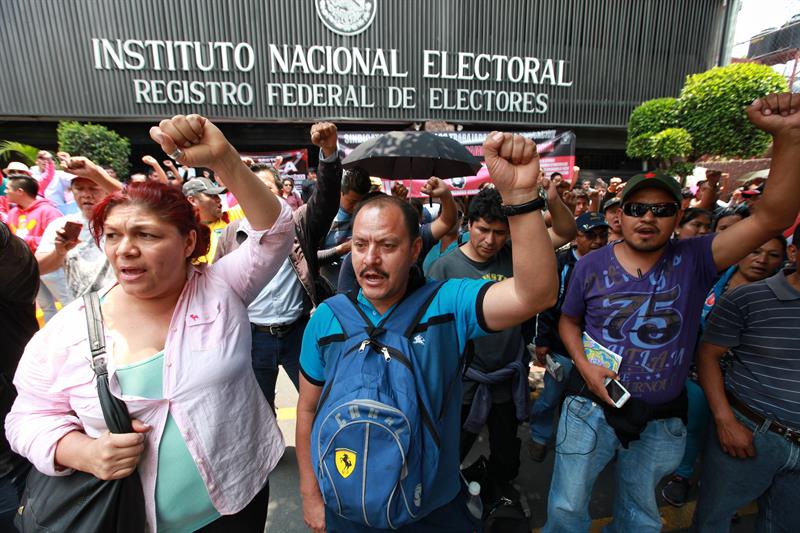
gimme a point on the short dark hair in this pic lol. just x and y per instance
(357, 180)
(580, 193)
(261, 167)
(416, 203)
(780, 238)
(554, 174)
(486, 205)
(796, 236)
(26, 184)
(693, 213)
(381, 201)
(740, 210)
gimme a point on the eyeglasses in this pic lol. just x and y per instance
(634, 209)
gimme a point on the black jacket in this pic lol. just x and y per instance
(547, 321)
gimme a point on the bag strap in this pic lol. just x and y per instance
(115, 412)
(97, 338)
(406, 316)
(350, 316)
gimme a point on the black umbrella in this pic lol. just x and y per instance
(413, 154)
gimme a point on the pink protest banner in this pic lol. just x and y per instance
(556, 152)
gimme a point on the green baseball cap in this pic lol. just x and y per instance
(657, 179)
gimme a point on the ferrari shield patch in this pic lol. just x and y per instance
(345, 461)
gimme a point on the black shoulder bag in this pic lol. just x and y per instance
(80, 501)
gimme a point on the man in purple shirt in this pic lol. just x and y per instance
(641, 298)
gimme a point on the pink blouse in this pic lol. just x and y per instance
(209, 385)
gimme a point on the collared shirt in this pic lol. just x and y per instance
(760, 323)
(209, 388)
(280, 302)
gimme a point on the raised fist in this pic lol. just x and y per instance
(200, 142)
(435, 188)
(323, 134)
(513, 164)
(399, 190)
(79, 166)
(776, 114)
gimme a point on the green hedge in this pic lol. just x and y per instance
(712, 107)
(98, 143)
(653, 116)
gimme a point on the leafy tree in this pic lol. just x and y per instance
(653, 116)
(98, 143)
(670, 144)
(712, 107)
(17, 151)
(653, 132)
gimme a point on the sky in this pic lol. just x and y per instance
(757, 15)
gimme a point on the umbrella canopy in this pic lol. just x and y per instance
(413, 154)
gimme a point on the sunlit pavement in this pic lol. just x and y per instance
(285, 506)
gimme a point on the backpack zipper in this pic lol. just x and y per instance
(383, 349)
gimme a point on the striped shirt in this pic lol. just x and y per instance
(760, 323)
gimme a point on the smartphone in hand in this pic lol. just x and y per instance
(72, 231)
(618, 394)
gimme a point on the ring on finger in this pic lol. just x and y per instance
(177, 154)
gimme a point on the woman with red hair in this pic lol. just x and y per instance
(178, 341)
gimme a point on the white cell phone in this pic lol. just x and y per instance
(618, 394)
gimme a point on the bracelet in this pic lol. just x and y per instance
(520, 209)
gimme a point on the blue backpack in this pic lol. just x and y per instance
(374, 442)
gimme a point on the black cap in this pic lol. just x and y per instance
(611, 202)
(658, 180)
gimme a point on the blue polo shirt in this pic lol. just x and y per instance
(461, 298)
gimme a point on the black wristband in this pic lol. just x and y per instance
(513, 210)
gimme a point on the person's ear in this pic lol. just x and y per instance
(189, 243)
(416, 248)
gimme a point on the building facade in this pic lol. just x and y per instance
(267, 68)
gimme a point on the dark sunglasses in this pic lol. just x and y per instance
(634, 209)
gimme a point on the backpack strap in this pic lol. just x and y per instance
(350, 316)
(408, 313)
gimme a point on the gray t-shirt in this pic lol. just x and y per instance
(494, 351)
(760, 323)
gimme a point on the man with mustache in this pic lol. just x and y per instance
(385, 246)
(641, 298)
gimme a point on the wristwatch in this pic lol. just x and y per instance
(520, 209)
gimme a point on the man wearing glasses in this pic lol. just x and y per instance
(641, 298)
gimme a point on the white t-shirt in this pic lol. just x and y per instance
(86, 266)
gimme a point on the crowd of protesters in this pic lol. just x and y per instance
(214, 271)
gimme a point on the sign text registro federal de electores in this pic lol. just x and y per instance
(166, 60)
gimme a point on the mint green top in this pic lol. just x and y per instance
(182, 500)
